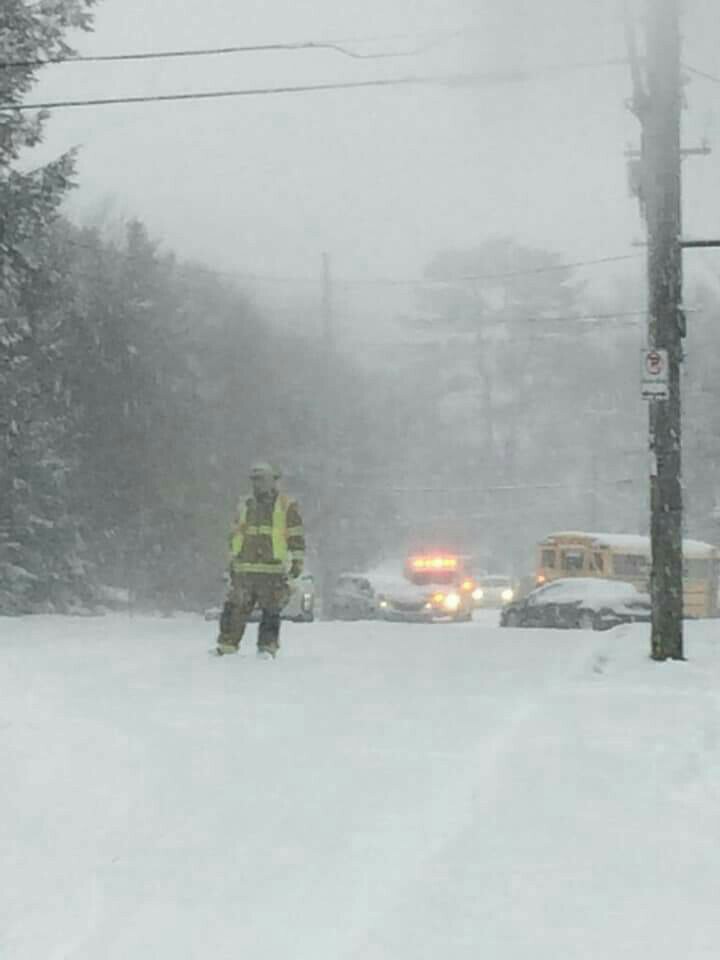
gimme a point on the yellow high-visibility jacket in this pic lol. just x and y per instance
(267, 535)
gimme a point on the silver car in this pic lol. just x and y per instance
(353, 598)
(493, 591)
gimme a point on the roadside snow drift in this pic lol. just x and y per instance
(380, 791)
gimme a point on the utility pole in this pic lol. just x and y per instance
(661, 175)
(656, 178)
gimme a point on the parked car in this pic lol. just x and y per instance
(353, 598)
(493, 591)
(300, 608)
(583, 603)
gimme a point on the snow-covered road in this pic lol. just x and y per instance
(380, 791)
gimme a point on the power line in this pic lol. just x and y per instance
(407, 282)
(419, 80)
(505, 76)
(477, 491)
(390, 281)
(554, 268)
(571, 326)
(701, 73)
(296, 46)
(342, 46)
(587, 318)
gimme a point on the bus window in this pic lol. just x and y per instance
(696, 569)
(548, 559)
(573, 561)
(629, 565)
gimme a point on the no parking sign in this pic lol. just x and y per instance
(655, 382)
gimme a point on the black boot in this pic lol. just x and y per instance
(269, 633)
(225, 643)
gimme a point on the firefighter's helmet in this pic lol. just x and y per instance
(262, 469)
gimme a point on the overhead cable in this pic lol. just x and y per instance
(432, 39)
(429, 283)
(379, 281)
(407, 282)
(554, 268)
(419, 80)
(585, 318)
(448, 80)
(701, 73)
(296, 46)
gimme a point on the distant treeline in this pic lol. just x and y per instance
(137, 391)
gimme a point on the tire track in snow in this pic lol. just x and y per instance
(380, 862)
(470, 793)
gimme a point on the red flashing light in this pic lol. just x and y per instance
(435, 563)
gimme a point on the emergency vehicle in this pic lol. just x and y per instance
(434, 588)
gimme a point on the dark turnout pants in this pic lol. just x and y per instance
(268, 591)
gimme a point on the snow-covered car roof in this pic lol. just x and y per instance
(398, 587)
(592, 593)
(395, 586)
(352, 575)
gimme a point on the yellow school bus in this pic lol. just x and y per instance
(617, 556)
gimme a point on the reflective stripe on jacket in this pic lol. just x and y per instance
(267, 535)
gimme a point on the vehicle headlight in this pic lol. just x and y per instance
(452, 601)
(478, 594)
(507, 594)
(428, 606)
(383, 604)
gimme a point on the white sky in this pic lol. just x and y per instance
(383, 178)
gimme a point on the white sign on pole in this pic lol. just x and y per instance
(655, 381)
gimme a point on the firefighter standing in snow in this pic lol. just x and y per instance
(267, 547)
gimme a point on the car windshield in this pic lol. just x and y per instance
(543, 594)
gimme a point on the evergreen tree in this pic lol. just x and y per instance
(31, 470)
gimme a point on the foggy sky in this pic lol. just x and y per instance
(381, 178)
